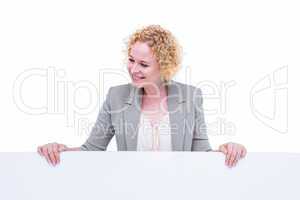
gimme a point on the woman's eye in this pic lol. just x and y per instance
(131, 60)
(144, 65)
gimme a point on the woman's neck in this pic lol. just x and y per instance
(155, 91)
(154, 101)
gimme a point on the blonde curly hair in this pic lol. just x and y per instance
(164, 45)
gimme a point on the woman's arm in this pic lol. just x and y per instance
(103, 131)
(200, 139)
(98, 140)
(233, 151)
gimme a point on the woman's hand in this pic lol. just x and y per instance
(233, 152)
(51, 152)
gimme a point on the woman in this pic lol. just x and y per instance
(153, 113)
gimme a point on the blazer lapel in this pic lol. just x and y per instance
(132, 117)
(176, 115)
(176, 110)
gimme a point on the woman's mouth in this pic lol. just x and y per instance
(138, 78)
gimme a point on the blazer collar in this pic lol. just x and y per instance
(175, 100)
(174, 92)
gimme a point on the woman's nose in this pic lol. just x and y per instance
(134, 68)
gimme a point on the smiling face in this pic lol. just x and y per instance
(142, 65)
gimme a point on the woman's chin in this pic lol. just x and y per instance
(137, 84)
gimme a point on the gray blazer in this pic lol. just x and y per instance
(120, 114)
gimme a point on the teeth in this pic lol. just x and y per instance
(139, 77)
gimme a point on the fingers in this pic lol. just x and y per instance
(52, 158)
(236, 156)
(56, 153)
(235, 152)
(229, 155)
(244, 152)
(44, 150)
(51, 152)
(39, 150)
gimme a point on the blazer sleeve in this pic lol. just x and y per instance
(200, 140)
(102, 131)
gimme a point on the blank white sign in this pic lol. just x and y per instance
(149, 175)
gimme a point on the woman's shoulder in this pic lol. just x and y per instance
(125, 88)
(188, 90)
(122, 88)
(120, 92)
(125, 92)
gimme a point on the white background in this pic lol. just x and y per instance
(58, 59)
